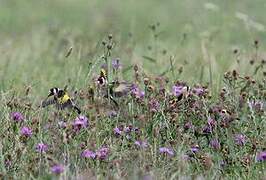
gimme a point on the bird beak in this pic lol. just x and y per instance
(50, 94)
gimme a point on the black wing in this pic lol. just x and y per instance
(48, 102)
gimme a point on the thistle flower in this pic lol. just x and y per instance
(57, 169)
(17, 116)
(88, 154)
(102, 153)
(211, 122)
(165, 150)
(141, 144)
(26, 131)
(137, 92)
(117, 131)
(177, 90)
(195, 148)
(41, 148)
(215, 144)
(80, 122)
(188, 125)
(128, 129)
(261, 156)
(199, 91)
(240, 139)
(116, 64)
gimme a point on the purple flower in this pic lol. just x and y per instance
(17, 116)
(211, 122)
(26, 131)
(136, 92)
(116, 64)
(207, 129)
(141, 144)
(41, 148)
(154, 105)
(195, 149)
(102, 153)
(165, 150)
(57, 169)
(177, 90)
(215, 144)
(128, 129)
(117, 131)
(188, 125)
(261, 156)
(240, 139)
(198, 91)
(88, 154)
(80, 122)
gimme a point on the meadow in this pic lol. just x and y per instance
(167, 90)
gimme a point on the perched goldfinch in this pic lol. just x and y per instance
(116, 88)
(60, 99)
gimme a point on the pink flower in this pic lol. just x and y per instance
(88, 154)
(26, 131)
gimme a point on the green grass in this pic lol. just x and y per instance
(35, 37)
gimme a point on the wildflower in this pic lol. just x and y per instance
(117, 131)
(177, 90)
(207, 129)
(165, 150)
(195, 149)
(57, 169)
(215, 144)
(188, 125)
(240, 139)
(261, 156)
(80, 122)
(26, 131)
(137, 92)
(211, 122)
(154, 105)
(17, 116)
(141, 144)
(102, 153)
(88, 154)
(198, 91)
(116, 64)
(128, 129)
(41, 148)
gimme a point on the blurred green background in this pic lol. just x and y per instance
(200, 35)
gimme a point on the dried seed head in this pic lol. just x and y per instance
(146, 81)
(110, 36)
(150, 88)
(263, 61)
(235, 51)
(235, 74)
(256, 43)
(109, 46)
(136, 68)
(103, 42)
(251, 62)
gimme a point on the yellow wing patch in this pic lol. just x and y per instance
(64, 99)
